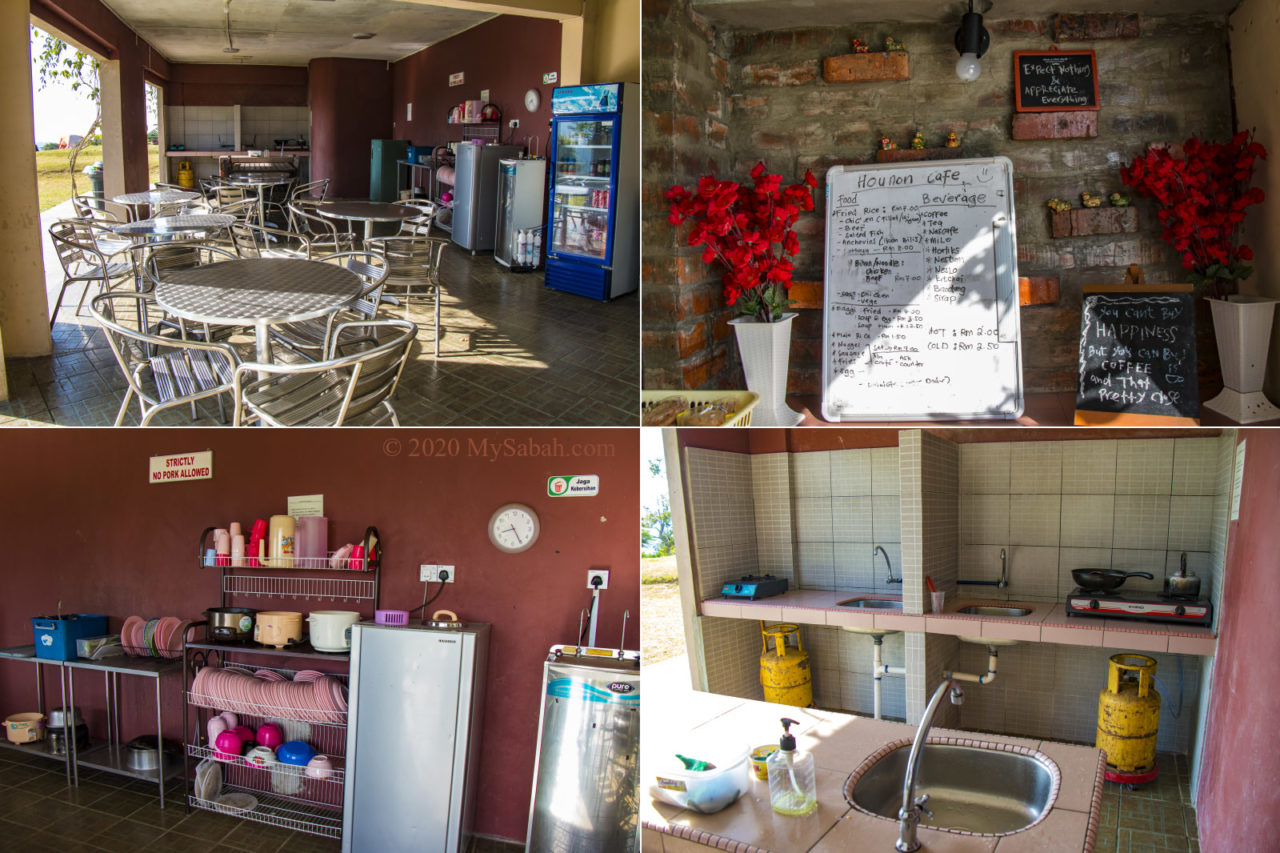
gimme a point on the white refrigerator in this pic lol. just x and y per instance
(475, 193)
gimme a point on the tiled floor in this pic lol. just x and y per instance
(1157, 817)
(513, 352)
(112, 813)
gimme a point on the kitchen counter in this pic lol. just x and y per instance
(267, 155)
(1047, 623)
(839, 743)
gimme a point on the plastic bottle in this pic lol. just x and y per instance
(522, 247)
(793, 787)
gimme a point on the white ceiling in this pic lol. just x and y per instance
(793, 14)
(291, 32)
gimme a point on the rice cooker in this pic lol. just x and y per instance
(331, 629)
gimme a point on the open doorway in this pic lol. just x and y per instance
(155, 133)
(65, 93)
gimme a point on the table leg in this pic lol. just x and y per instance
(368, 231)
(68, 728)
(160, 744)
(262, 340)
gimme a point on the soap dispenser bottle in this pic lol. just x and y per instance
(793, 786)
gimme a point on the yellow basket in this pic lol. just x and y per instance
(744, 401)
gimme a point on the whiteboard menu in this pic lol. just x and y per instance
(920, 319)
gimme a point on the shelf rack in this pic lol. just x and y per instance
(276, 810)
(40, 748)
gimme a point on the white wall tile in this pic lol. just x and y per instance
(815, 565)
(1034, 519)
(1087, 520)
(1088, 467)
(1033, 572)
(851, 472)
(1195, 466)
(886, 518)
(851, 519)
(1035, 468)
(852, 566)
(1144, 467)
(884, 471)
(811, 475)
(1190, 522)
(979, 563)
(984, 519)
(813, 519)
(984, 468)
(1141, 521)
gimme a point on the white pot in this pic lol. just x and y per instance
(331, 629)
(765, 350)
(1242, 325)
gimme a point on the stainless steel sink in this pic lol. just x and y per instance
(872, 603)
(970, 789)
(991, 610)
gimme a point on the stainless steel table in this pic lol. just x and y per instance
(28, 654)
(258, 292)
(162, 225)
(367, 212)
(150, 197)
(260, 186)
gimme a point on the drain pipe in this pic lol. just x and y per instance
(992, 656)
(881, 671)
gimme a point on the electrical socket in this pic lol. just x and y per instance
(515, 122)
(592, 574)
(431, 574)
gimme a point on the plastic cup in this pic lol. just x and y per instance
(937, 598)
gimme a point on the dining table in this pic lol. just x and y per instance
(180, 224)
(367, 212)
(260, 186)
(148, 198)
(257, 292)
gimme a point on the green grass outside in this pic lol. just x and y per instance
(53, 177)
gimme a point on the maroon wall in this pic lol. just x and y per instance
(506, 55)
(94, 26)
(1238, 805)
(84, 528)
(350, 106)
(227, 85)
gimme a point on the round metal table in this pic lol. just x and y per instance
(257, 292)
(150, 197)
(368, 212)
(259, 185)
(174, 224)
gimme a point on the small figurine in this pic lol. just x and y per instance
(952, 140)
(892, 45)
(1118, 200)
(1057, 205)
(1091, 200)
(887, 144)
(917, 141)
(859, 47)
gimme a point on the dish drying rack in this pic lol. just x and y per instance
(285, 795)
(278, 581)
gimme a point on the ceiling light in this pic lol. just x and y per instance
(362, 36)
(972, 40)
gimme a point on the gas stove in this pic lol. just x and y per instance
(754, 587)
(1147, 607)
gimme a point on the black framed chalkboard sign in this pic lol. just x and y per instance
(1055, 80)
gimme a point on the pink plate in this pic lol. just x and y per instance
(126, 633)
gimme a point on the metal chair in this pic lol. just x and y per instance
(259, 241)
(413, 265)
(320, 232)
(91, 205)
(163, 372)
(340, 390)
(82, 261)
(308, 338)
(419, 226)
(305, 192)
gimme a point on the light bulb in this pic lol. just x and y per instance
(968, 68)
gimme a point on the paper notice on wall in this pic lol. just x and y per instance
(179, 467)
(300, 505)
(1239, 481)
(457, 79)
(573, 486)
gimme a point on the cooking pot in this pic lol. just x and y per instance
(331, 629)
(1105, 579)
(57, 718)
(142, 753)
(277, 628)
(58, 740)
(230, 624)
(1182, 584)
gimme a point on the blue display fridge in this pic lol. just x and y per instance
(593, 219)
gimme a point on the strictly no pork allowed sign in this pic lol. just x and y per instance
(180, 467)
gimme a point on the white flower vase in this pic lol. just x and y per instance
(765, 350)
(1242, 325)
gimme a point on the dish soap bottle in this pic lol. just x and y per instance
(793, 786)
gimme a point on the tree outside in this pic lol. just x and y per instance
(59, 61)
(656, 536)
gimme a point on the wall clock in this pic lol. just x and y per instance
(532, 99)
(513, 528)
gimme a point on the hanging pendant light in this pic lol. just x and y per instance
(972, 40)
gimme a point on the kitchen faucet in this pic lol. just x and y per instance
(880, 549)
(909, 814)
(1004, 566)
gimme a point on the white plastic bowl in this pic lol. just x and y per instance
(704, 791)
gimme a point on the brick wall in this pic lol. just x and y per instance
(1168, 83)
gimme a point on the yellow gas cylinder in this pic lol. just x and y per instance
(1129, 718)
(186, 176)
(784, 669)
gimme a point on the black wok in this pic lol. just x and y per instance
(1105, 579)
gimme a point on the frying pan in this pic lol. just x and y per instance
(1105, 579)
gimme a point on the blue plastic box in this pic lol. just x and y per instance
(56, 638)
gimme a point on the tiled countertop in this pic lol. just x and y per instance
(839, 743)
(1047, 623)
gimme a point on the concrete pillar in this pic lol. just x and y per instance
(113, 146)
(24, 310)
(572, 41)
